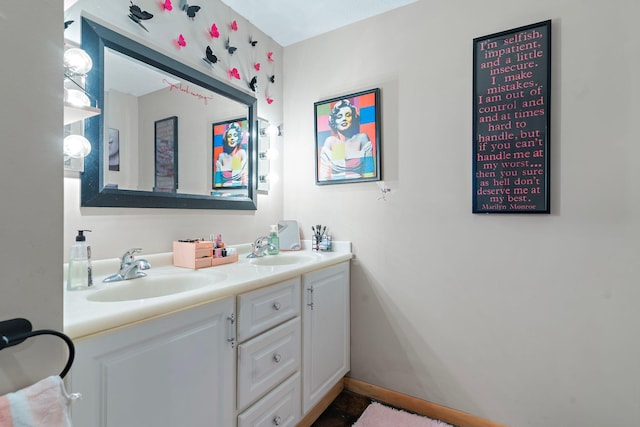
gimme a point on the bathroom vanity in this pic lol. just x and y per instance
(260, 345)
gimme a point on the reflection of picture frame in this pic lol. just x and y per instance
(230, 154)
(114, 149)
(166, 154)
(345, 153)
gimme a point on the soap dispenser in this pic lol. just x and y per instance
(79, 275)
(274, 241)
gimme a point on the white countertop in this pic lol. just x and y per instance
(83, 317)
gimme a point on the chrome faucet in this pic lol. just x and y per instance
(130, 268)
(260, 247)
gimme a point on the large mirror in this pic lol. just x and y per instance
(169, 136)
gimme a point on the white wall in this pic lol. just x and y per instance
(116, 229)
(528, 320)
(31, 186)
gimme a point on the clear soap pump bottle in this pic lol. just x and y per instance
(79, 275)
(274, 240)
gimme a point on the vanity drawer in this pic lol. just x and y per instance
(266, 360)
(281, 407)
(265, 308)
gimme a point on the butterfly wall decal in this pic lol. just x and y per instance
(136, 15)
(67, 23)
(270, 56)
(253, 42)
(210, 58)
(269, 99)
(230, 48)
(213, 32)
(190, 10)
(234, 25)
(257, 66)
(166, 5)
(272, 79)
(253, 84)
(181, 41)
(234, 74)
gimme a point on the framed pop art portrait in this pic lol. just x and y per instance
(348, 138)
(230, 154)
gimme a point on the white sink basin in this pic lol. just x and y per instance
(154, 286)
(281, 259)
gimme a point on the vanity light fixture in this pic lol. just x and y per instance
(76, 146)
(76, 98)
(271, 130)
(77, 63)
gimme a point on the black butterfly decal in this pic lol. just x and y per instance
(138, 15)
(230, 48)
(272, 79)
(210, 57)
(253, 42)
(253, 84)
(67, 23)
(191, 10)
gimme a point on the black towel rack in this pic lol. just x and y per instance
(15, 331)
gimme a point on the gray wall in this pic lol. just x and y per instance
(31, 185)
(528, 320)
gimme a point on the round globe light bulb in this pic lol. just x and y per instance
(76, 146)
(77, 98)
(77, 61)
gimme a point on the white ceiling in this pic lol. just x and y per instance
(291, 21)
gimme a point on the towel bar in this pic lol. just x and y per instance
(15, 331)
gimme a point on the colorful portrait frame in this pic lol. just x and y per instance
(230, 169)
(343, 155)
(166, 155)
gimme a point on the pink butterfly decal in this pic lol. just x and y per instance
(234, 26)
(213, 32)
(234, 74)
(269, 100)
(166, 5)
(181, 41)
(257, 66)
(270, 56)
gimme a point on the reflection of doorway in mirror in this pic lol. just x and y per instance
(114, 149)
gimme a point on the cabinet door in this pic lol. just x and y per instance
(176, 370)
(326, 331)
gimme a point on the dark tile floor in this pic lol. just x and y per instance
(343, 411)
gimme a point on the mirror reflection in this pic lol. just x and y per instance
(169, 135)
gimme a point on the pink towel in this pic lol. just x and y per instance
(44, 404)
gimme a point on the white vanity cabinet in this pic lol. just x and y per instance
(261, 358)
(174, 370)
(325, 331)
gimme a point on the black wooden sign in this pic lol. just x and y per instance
(511, 120)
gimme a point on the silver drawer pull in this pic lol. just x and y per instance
(277, 358)
(276, 421)
(276, 306)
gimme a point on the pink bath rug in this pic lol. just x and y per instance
(377, 415)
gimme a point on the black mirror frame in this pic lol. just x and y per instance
(95, 38)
